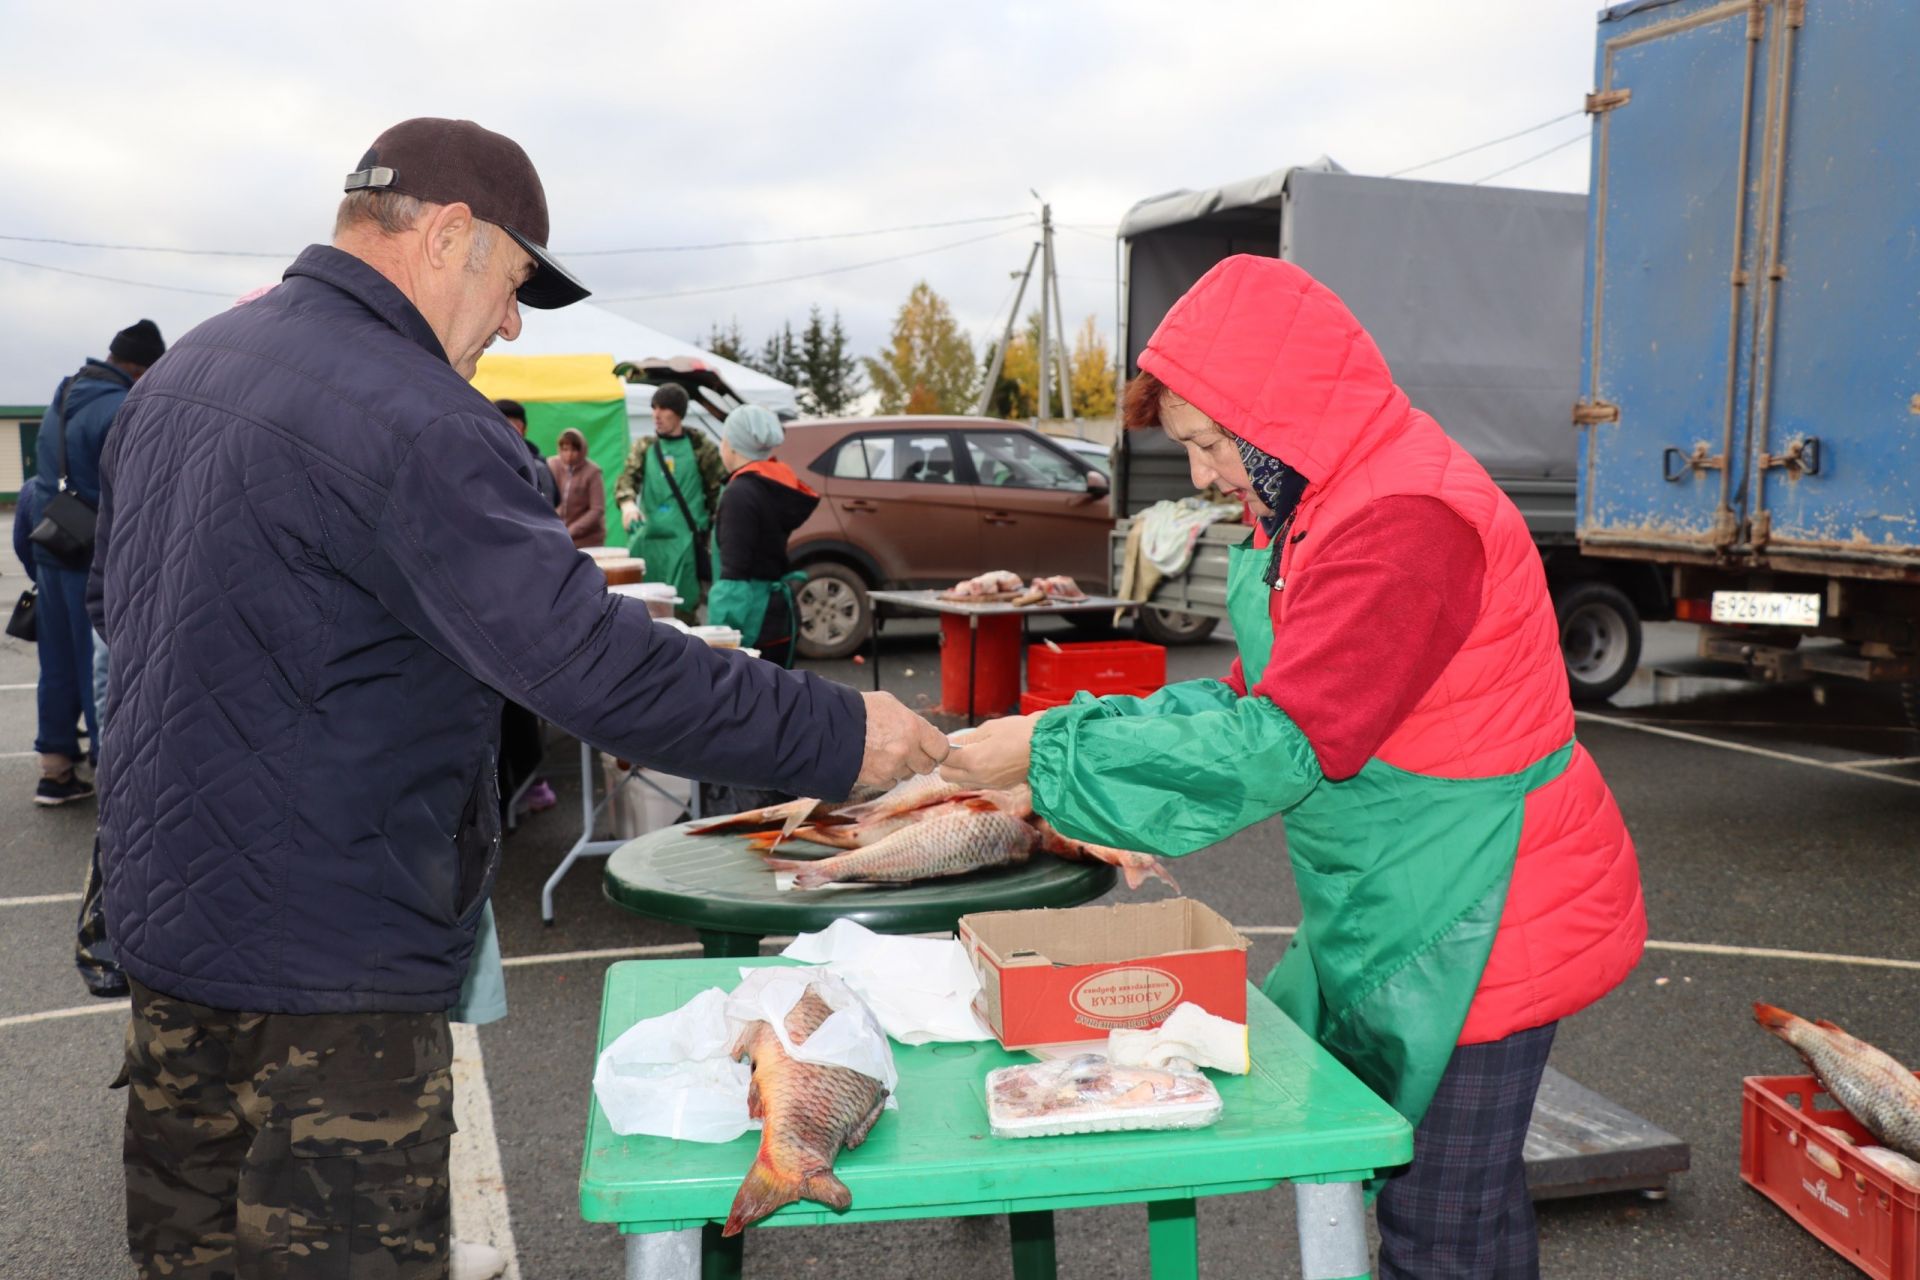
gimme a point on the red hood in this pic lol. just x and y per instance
(1272, 355)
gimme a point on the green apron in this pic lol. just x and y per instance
(1402, 877)
(1402, 880)
(741, 603)
(663, 539)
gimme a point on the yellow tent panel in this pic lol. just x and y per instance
(546, 379)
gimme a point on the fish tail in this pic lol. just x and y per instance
(823, 1187)
(764, 1190)
(1773, 1018)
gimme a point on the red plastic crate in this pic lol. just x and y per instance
(1041, 699)
(1099, 666)
(1863, 1213)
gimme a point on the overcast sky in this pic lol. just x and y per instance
(228, 126)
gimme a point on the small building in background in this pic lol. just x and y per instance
(19, 437)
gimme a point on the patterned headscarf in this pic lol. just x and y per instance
(1279, 487)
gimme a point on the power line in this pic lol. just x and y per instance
(575, 253)
(829, 235)
(812, 275)
(1559, 146)
(1482, 146)
(138, 284)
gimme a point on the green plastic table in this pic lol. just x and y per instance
(1298, 1117)
(723, 890)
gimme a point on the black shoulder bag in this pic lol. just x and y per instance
(66, 528)
(702, 538)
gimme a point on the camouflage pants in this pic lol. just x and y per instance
(287, 1145)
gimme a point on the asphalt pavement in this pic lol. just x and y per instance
(1770, 828)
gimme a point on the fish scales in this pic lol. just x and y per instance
(809, 1111)
(958, 839)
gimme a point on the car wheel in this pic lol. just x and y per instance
(1599, 638)
(1164, 626)
(835, 614)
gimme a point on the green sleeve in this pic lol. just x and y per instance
(627, 488)
(1168, 774)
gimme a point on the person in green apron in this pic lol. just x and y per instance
(1399, 696)
(667, 493)
(761, 506)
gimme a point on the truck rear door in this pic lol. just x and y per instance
(1834, 452)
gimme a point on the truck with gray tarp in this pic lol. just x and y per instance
(1473, 294)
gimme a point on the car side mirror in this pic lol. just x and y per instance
(1098, 485)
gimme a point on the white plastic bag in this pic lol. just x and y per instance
(670, 1076)
(850, 1038)
(921, 990)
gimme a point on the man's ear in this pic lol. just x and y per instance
(444, 234)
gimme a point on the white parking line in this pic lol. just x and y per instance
(39, 899)
(1765, 752)
(1887, 763)
(480, 1210)
(71, 1011)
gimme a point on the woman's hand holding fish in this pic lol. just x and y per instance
(900, 743)
(994, 756)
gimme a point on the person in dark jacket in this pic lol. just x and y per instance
(760, 507)
(321, 563)
(516, 415)
(72, 436)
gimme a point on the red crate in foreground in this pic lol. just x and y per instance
(1098, 666)
(1865, 1214)
(1041, 699)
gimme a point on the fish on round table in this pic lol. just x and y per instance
(970, 831)
(809, 1111)
(1873, 1086)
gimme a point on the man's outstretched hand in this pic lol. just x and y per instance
(900, 743)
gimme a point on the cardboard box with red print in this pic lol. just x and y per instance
(1050, 977)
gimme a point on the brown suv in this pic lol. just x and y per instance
(928, 501)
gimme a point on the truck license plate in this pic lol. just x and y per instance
(1767, 608)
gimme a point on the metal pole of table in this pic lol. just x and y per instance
(664, 1255)
(973, 668)
(873, 645)
(586, 846)
(1333, 1231)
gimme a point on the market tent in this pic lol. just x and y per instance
(562, 391)
(585, 327)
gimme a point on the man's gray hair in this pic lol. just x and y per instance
(391, 211)
(394, 213)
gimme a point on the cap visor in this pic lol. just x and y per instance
(552, 285)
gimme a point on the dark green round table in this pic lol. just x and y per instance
(726, 893)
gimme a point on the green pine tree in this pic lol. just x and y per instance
(829, 375)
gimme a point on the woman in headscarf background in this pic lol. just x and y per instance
(583, 490)
(1465, 877)
(667, 494)
(761, 506)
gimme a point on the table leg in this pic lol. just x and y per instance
(873, 645)
(720, 1256)
(1333, 1231)
(587, 812)
(1173, 1240)
(664, 1255)
(1032, 1236)
(716, 945)
(973, 668)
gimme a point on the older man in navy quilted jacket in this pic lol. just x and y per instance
(321, 564)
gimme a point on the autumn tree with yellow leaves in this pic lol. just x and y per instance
(927, 366)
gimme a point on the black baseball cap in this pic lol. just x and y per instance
(458, 162)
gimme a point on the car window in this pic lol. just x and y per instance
(1015, 460)
(917, 457)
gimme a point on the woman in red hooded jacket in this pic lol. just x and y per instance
(1465, 877)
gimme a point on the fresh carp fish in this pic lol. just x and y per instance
(809, 1111)
(1879, 1092)
(970, 831)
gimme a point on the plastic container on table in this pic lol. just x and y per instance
(1088, 1094)
(717, 637)
(607, 553)
(1043, 699)
(1098, 666)
(625, 570)
(1859, 1210)
(659, 596)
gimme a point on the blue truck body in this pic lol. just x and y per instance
(1750, 368)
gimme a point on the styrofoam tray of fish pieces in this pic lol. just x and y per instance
(1088, 1094)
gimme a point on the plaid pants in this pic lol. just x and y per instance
(1461, 1209)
